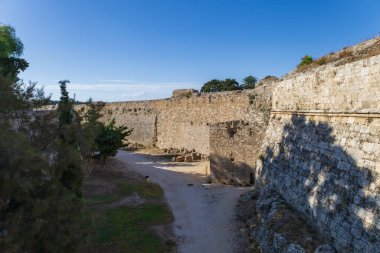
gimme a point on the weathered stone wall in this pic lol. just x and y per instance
(185, 122)
(141, 116)
(235, 145)
(194, 122)
(353, 87)
(322, 150)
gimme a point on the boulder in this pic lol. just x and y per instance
(196, 156)
(325, 248)
(180, 158)
(279, 242)
(188, 158)
(294, 248)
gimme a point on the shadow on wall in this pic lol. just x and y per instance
(323, 182)
(227, 171)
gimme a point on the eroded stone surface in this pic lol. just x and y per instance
(273, 226)
(322, 151)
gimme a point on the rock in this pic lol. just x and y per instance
(279, 242)
(294, 248)
(133, 146)
(180, 158)
(325, 248)
(188, 158)
(196, 156)
(263, 211)
(204, 157)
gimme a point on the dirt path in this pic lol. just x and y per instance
(204, 214)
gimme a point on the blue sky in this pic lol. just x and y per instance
(143, 49)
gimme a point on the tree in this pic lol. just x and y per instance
(91, 128)
(249, 82)
(216, 85)
(230, 84)
(10, 44)
(11, 49)
(39, 193)
(12, 93)
(212, 86)
(111, 139)
(68, 159)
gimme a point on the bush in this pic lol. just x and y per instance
(110, 139)
(306, 60)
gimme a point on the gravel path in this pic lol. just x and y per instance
(204, 214)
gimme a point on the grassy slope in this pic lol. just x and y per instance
(126, 227)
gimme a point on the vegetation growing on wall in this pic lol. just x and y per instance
(346, 55)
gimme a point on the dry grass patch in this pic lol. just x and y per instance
(346, 55)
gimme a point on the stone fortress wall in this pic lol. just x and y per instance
(139, 115)
(322, 150)
(192, 120)
(235, 145)
(316, 140)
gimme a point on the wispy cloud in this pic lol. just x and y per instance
(118, 90)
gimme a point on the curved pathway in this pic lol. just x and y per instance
(204, 214)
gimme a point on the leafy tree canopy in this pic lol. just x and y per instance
(216, 85)
(111, 139)
(229, 84)
(249, 82)
(10, 44)
(11, 49)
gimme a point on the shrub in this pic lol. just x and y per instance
(306, 60)
(110, 139)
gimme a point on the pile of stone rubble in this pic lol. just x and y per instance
(133, 146)
(184, 155)
(273, 226)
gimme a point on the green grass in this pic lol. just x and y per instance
(145, 190)
(102, 199)
(127, 228)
